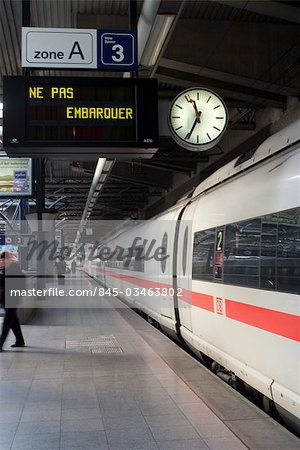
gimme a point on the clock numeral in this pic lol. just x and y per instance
(208, 99)
(208, 136)
(197, 95)
(197, 138)
(178, 128)
(217, 107)
(217, 128)
(175, 117)
(187, 136)
(178, 106)
(219, 117)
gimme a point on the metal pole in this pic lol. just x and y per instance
(26, 13)
(133, 14)
(26, 22)
(23, 230)
(39, 170)
(133, 25)
(40, 208)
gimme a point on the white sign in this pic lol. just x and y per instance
(15, 177)
(55, 47)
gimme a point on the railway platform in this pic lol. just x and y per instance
(103, 378)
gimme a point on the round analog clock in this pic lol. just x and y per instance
(197, 119)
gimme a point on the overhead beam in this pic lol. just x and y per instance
(266, 8)
(180, 77)
(134, 181)
(68, 185)
(213, 74)
(66, 194)
(110, 195)
(213, 42)
(131, 174)
(168, 167)
(108, 21)
(234, 96)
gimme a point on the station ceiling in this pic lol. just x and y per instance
(246, 51)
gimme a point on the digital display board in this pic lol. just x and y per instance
(47, 113)
(15, 177)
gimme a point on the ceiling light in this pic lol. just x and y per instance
(157, 38)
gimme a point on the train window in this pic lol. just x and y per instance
(268, 240)
(268, 273)
(268, 252)
(203, 255)
(134, 259)
(261, 252)
(288, 241)
(241, 254)
(288, 258)
(288, 217)
(164, 246)
(139, 258)
(127, 260)
(184, 250)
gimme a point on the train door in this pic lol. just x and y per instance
(184, 269)
(166, 232)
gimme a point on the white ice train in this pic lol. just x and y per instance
(229, 283)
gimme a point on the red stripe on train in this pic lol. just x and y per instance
(277, 322)
(137, 281)
(197, 299)
(203, 301)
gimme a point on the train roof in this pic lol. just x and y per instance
(279, 141)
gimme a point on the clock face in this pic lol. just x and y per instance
(198, 118)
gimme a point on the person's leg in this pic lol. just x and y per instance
(6, 326)
(15, 326)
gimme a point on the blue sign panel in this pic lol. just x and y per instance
(117, 50)
(21, 181)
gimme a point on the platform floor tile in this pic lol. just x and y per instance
(59, 394)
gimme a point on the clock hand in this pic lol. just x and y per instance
(188, 136)
(198, 113)
(190, 100)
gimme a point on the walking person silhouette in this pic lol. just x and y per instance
(11, 277)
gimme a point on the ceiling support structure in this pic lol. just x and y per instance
(155, 26)
(180, 77)
(275, 9)
(68, 185)
(6, 220)
(213, 74)
(145, 23)
(56, 201)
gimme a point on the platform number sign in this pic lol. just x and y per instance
(117, 50)
(219, 254)
(55, 48)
